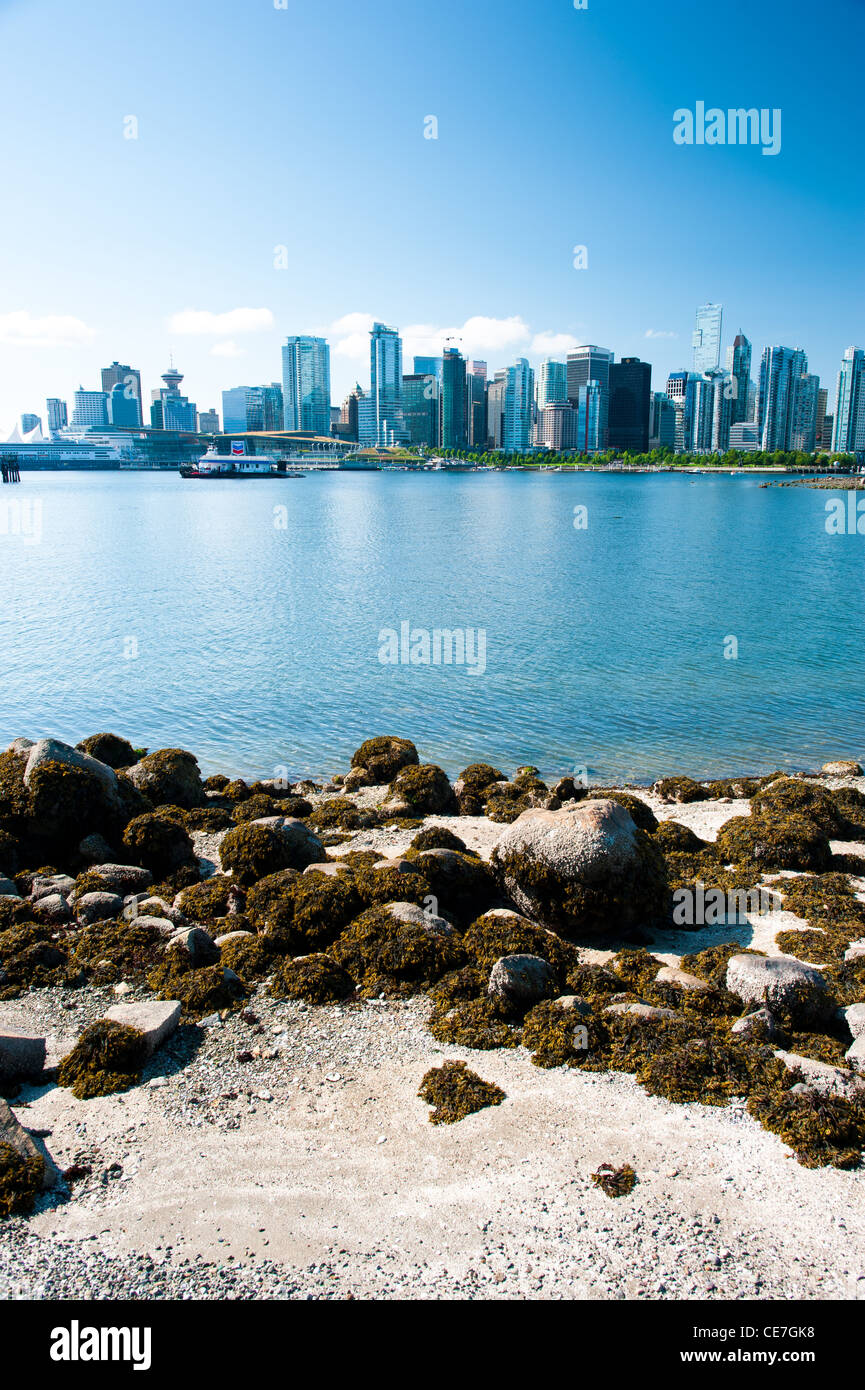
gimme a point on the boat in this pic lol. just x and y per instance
(237, 465)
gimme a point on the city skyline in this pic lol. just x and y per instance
(548, 250)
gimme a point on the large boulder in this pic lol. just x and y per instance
(110, 749)
(98, 907)
(522, 980)
(786, 986)
(121, 878)
(17, 1137)
(51, 750)
(583, 869)
(259, 848)
(22, 1055)
(169, 777)
(155, 1019)
(420, 790)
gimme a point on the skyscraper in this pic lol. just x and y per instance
(591, 417)
(306, 385)
(558, 426)
(476, 403)
(130, 379)
(421, 405)
(208, 421)
(587, 363)
(630, 386)
(30, 422)
(803, 435)
(169, 410)
(380, 417)
(454, 423)
(681, 390)
(707, 337)
(739, 367)
(781, 369)
(124, 408)
(57, 414)
(552, 382)
(519, 407)
(850, 403)
(662, 422)
(496, 410)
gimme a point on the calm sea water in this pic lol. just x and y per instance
(193, 614)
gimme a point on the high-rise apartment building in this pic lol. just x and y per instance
(706, 341)
(781, 370)
(306, 385)
(124, 407)
(380, 414)
(849, 429)
(587, 363)
(739, 367)
(130, 379)
(591, 407)
(519, 407)
(662, 422)
(208, 421)
(552, 383)
(57, 413)
(476, 403)
(30, 422)
(558, 426)
(630, 387)
(496, 410)
(803, 435)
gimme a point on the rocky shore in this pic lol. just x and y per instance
(228, 1012)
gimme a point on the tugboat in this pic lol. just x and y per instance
(237, 464)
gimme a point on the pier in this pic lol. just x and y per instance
(9, 469)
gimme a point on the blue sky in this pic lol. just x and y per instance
(303, 127)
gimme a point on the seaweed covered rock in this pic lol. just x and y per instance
(256, 850)
(317, 978)
(821, 1130)
(30, 958)
(20, 1180)
(201, 991)
(339, 813)
(109, 749)
(583, 869)
(108, 952)
(420, 790)
(158, 844)
(775, 840)
(209, 899)
(472, 786)
(437, 837)
(255, 808)
(506, 801)
(523, 980)
(246, 954)
(14, 799)
(842, 767)
(615, 1182)
(98, 907)
(641, 814)
(455, 1092)
(65, 801)
(785, 985)
(295, 807)
(682, 789)
(849, 804)
(562, 1032)
(169, 777)
(674, 838)
(10, 853)
(156, 1020)
(483, 1022)
(383, 757)
(461, 882)
(396, 949)
(503, 933)
(787, 795)
(108, 1057)
(304, 911)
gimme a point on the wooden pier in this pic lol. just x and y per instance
(9, 468)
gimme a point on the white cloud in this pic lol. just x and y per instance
(352, 335)
(660, 333)
(22, 329)
(553, 344)
(227, 349)
(479, 336)
(234, 321)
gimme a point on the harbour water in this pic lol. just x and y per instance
(701, 625)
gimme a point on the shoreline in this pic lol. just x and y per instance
(322, 1176)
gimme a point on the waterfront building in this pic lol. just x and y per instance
(558, 426)
(662, 422)
(306, 385)
(519, 407)
(781, 370)
(592, 401)
(706, 340)
(380, 416)
(91, 408)
(744, 436)
(476, 403)
(739, 367)
(681, 390)
(130, 379)
(454, 423)
(630, 387)
(585, 364)
(169, 410)
(849, 426)
(552, 383)
(496, 410)
(57, 414)
(421, 405)
(804, 430)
